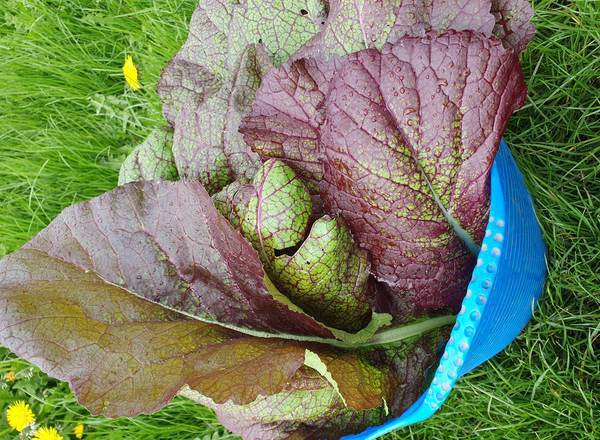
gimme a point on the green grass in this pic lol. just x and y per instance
(67, 121)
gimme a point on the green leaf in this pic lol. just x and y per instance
(327, 276)
(278, 214)
(280, 26)
(151, 160)
(232, 202)
(312, 360)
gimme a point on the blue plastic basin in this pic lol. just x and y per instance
(500, 299)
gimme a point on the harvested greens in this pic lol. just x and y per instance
(291, 249)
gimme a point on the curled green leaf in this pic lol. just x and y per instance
(327, 276)
(278, 214)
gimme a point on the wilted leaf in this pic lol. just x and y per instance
(309, 408)
(360, 385)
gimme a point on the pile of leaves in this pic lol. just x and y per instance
(290, 251)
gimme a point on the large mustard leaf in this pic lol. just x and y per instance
(124, 355)
(166, 242)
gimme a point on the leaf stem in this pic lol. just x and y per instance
(395, 334)
(385, 337)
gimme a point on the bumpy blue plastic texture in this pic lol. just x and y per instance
(501, 297)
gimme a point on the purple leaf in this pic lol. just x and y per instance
(416, 17)
(210, 84)
(123, 355)
(287, 114)
(408, 143)
(513, 23)
(207, 145)
(354, 25)
(166, 242)
(195, 71)
(71, 302)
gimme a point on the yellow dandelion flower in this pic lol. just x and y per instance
(19, 415)
(131, 73)
(47, 434)
(78, 431)
(10, 376)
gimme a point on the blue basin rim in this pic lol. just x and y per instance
(500, 299)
